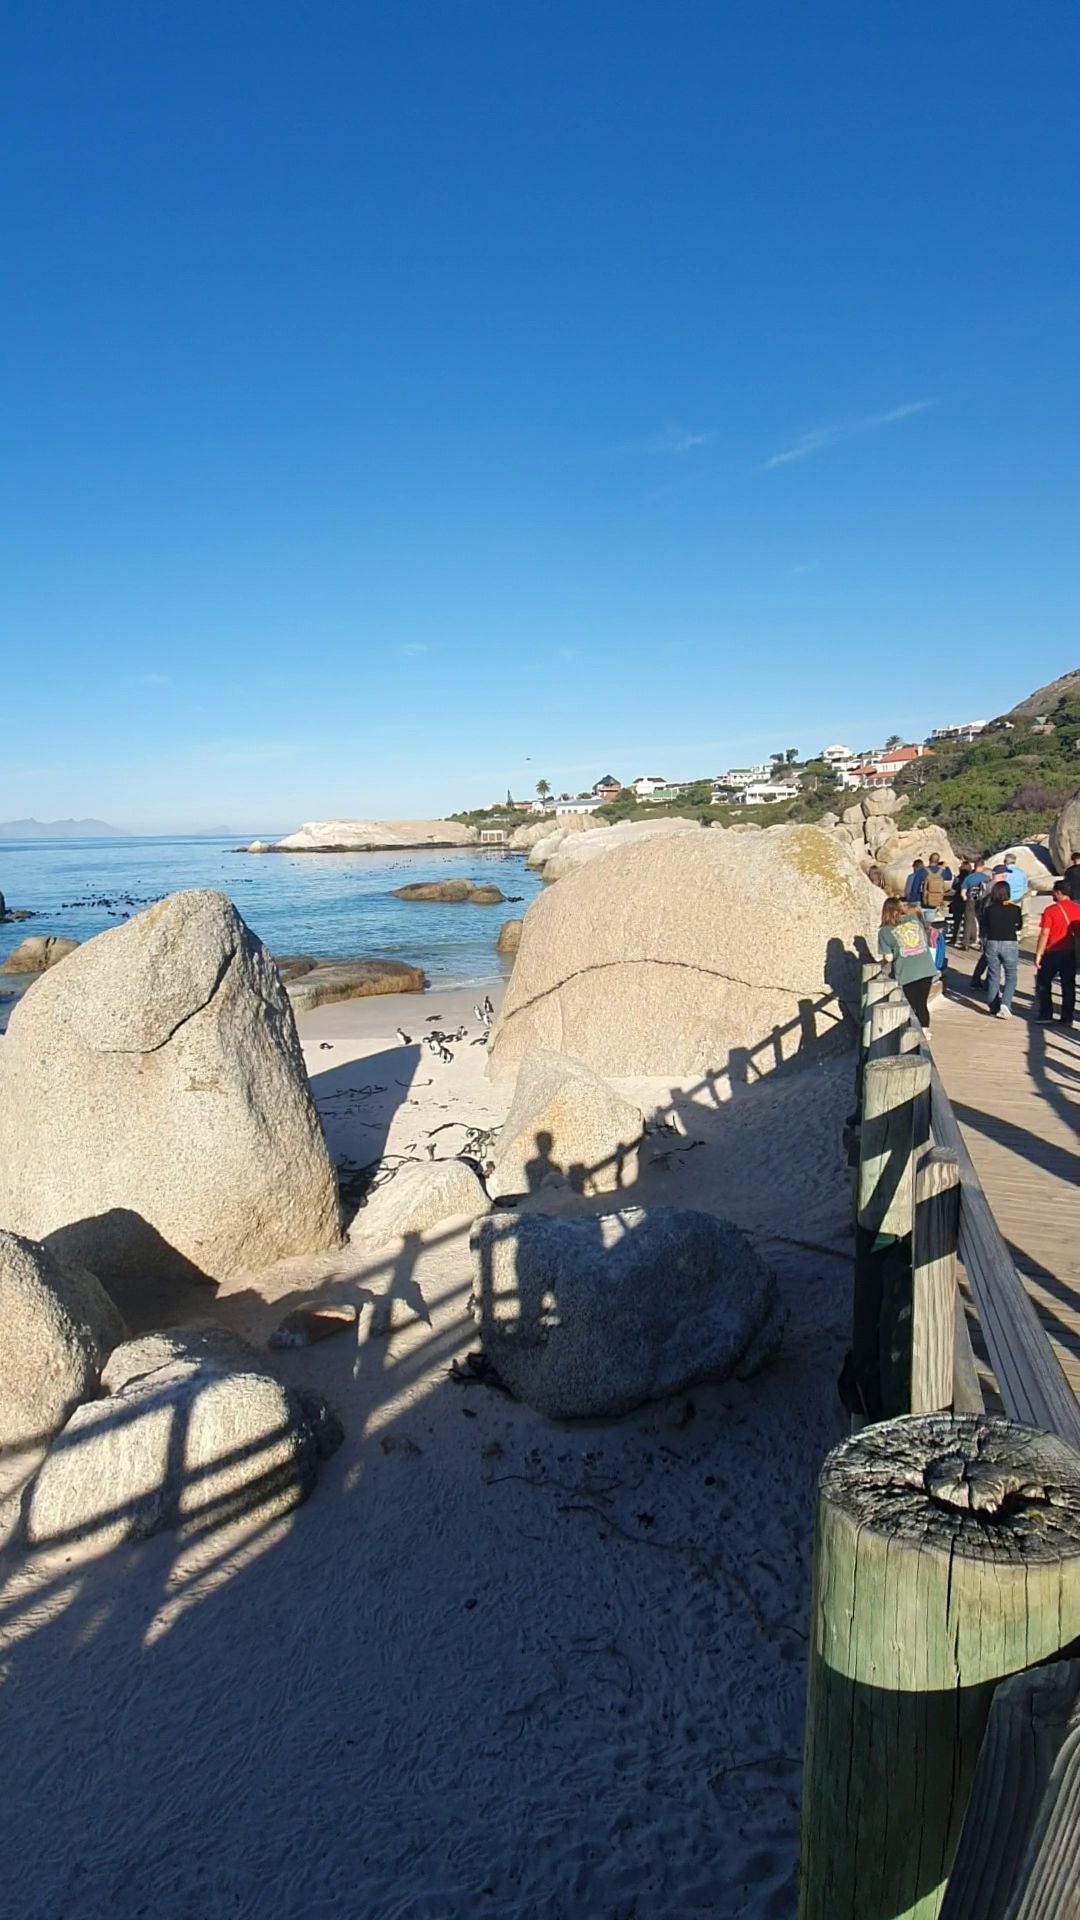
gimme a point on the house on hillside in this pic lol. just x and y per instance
(607, 789)
(881, 769)
(765, 793)
(583, 803)
(960, 736)
(647, 784)
(738, 777)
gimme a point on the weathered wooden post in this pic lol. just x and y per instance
(890, 1019)
(893, 1102)
(933, 1307)
(947, 1557)
(1019, 1852)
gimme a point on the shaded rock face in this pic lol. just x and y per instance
(1065, 834)
(565, 1123)
(155, 1116)
(192, 1443)
(509, 939)
(419, 1197)
(590, 1318)
(57, 1326)
(333, 980)
(457, 892)
(701, 952)
(38, 953)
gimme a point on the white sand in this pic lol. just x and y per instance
(492, 1667)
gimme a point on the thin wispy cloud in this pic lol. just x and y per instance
(677, 440)
(412, 649)
(820, 438)
(153, 680)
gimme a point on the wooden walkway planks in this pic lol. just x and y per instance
(1015, 1090)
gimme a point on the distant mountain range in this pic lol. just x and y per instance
(58, 830)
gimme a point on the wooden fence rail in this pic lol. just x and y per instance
(942, 1773)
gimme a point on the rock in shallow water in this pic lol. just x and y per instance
(37, 954)
(590, 1318)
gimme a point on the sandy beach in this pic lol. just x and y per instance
(492, 1665)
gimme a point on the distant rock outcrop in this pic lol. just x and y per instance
(1045, 699)
(57, 1328)
(369, 836)
(326, 981)
(456, 892)
(37, 954)
(509, 939)
(697, 952)
(155, 1117)
(585, 1319)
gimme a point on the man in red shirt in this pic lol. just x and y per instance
(1055, 955)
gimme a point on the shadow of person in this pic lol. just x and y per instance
(538, 1169)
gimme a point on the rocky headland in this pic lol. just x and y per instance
(368, 836)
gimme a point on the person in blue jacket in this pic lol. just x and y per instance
(913, 886)
(1016, 878)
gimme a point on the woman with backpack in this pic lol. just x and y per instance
(903, 941)
(1002, 920)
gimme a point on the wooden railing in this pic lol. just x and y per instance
(943, 1718)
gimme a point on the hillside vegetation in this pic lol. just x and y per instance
(1008, 784)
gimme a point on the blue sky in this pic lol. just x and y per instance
(403, 402)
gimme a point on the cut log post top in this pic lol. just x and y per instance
(947, 1558)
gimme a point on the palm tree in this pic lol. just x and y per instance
(791, 755)
(893, 740)
(543, 788)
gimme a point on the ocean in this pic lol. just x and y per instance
(332, 906)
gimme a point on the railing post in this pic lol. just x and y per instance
(888, 1141)
(947, 1557)
(1019, 1852)
(890, 1020)
(933, 1309)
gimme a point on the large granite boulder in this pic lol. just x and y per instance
(918, 842)
(880, 801)
(195, 1443)
(1065, 834)
(155, 1116)
(420, 1196)
(573, 854)
(1033, 861)
(57, 1327)
(37, 954)
(565, 1123)
(589, 1318)
(327, 981)
(695, 953)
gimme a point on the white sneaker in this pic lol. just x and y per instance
(1004, 1013)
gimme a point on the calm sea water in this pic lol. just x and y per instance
(333, 906)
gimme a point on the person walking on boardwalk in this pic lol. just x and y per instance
(904, 941)
(1055, 956)
(913, 888)
(1072, 879)
(932, 898)
(956, 902)
(1017, 878)
(1001, 923)
(975, 887)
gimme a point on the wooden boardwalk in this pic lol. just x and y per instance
(1015, 1090)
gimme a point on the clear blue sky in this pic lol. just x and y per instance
(402, 402)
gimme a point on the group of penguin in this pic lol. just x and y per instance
(438, 1043)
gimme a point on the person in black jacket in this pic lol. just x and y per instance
(1002, 919)
(1072, 878)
